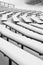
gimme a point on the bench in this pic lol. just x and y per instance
(15, 19)
(41, 17)
(36, 19)
(26, 32)
(6, 16)
(18, 55)
(2, 13)
(25, 18)
(37, 25)
(30, 27)
(18, 13)
(29, 43)
(9, 14)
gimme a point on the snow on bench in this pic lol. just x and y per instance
(6, 16)
(26, 18)
(41, 17)
(2, 13)
(35, 45)
(18, 55)
(32, 28)
(37, 25)
(15, 18)
(36, 19)
(25, 32)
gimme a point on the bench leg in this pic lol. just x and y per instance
(10, 28)
(21, 46)
(10, 61)
(6, 26)
(15, 31)
(1, 35)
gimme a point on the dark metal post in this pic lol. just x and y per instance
(1, 35)
(15, 30)
(10, 28)
(21, 46)
(6, 26)
(10, 61)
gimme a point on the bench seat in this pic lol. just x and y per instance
(24, 31)
(35, 45)
(18, 55)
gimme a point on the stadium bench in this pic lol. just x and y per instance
(27, 33)
(15, 18)
(29, 43)
(30, 27)
(18, 55)
(25, 18)
(37, 25)
(36, 19)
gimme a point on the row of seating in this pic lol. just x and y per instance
(37, 25)
(26, 18)
(30, 43)
(13, 27)
(31, 37)
(30, 27)
(18, 55)
(27, 33)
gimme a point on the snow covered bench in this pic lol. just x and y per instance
(27, 42)
(30, 27)
(26, 32)
(18, 55)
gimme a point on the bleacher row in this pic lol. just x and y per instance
(24, 28)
